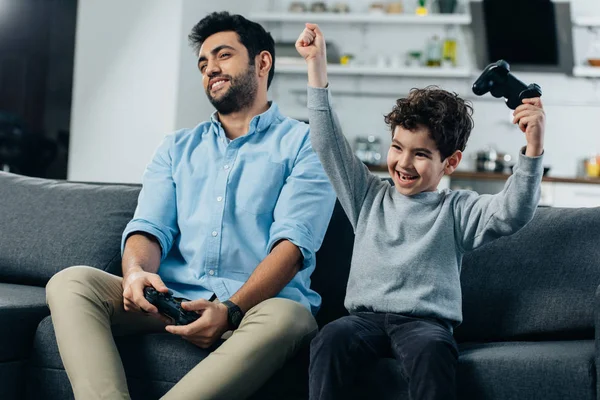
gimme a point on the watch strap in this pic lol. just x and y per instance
(234, 314)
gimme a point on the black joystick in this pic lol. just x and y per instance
(498, 80)
(170, 306)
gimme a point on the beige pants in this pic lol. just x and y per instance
(87, 310)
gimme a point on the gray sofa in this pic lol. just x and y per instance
(530, 302)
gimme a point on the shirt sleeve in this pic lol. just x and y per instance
(483, 218)
(349, 176)
(156, 212)
(304, 206)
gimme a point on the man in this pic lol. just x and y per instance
(230, 215)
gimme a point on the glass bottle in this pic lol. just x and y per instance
(422, 8)
(593, 54)
(592, 167)
(449, 52)
(434, 52)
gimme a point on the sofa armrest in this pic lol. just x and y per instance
(597, 339)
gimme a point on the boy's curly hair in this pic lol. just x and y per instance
(448, 118)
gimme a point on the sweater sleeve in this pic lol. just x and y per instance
(349, 176)
(480, 219)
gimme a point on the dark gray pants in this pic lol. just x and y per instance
(425, 350)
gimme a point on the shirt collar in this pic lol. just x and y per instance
(258, 123)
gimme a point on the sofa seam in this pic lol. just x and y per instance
(111, 260)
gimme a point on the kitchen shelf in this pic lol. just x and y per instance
(427, 72)
(491, 176)
(585, 71)
(432, 19)
(587, 21)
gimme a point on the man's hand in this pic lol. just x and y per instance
(133, 291)
(207, 329)
(311, 46)
(532, 121)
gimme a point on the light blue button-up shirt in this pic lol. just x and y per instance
(217, 207)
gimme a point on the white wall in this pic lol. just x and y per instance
(125, 86)
(136, 79)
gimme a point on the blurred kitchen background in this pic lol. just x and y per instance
(89, 88)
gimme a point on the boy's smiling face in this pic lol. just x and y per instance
(414, 162)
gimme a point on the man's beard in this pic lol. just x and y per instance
(239, 96)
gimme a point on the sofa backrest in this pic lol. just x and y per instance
(46, 226)
(333, 267)
(538, 283)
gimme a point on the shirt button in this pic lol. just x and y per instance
(219, 198)
(226, 166)
(211, 272)
(215, 233)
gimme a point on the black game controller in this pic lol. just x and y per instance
(170, 306)
(497, 79)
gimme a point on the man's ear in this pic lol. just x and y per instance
(264, 63)
(452, 162)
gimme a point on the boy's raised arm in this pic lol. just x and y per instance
(311, 46)
(484, 218)
(348, 175)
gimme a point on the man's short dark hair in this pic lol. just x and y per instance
(448, 118)
(252, 35)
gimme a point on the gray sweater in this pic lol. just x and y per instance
(408, 249)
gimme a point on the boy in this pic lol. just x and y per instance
(403, 292)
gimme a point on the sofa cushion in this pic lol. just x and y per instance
(500, 371)
(170, 358)
(528, 370)
(49, 225)
(21, 309)
(536, 284)
(153, 364)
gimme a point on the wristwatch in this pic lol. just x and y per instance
(234, 314)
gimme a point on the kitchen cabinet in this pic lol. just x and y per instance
(555, 192)
(369, 22)
(576, 195)
(424, 72)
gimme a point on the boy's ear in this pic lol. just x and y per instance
(452, 162)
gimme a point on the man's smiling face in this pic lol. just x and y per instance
(228, 75)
